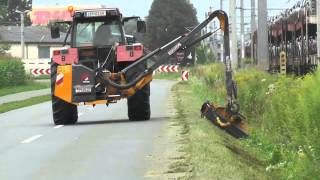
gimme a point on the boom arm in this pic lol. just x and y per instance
(159, 56)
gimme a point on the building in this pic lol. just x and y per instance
(38, 41)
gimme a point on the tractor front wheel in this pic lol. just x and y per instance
(64, 113)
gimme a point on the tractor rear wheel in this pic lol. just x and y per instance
(63, 112)
(139, 105)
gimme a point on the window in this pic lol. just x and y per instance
(97, 33)
(43, 52)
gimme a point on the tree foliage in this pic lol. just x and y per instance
(3, 10)
(8, 14)
(168, 19)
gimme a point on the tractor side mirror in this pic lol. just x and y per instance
(55, 31)
(141, 26)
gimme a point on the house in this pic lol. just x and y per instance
(38, 41)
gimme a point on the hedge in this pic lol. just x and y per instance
(12, 73)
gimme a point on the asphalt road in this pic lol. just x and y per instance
(103, 145)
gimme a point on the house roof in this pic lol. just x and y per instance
(32, 34)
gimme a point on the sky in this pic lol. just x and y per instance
(141, 7)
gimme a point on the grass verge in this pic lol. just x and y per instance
(282, 113)
(42, 77)
(210, 153)
(20, 104)
(29, 86)
(167, 76)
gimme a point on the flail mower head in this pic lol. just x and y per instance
(224, 118)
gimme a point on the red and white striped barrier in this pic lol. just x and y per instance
(185, 75)
(38, 72)
(168, 68)
(37, 67)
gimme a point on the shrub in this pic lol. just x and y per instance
(11, 73)
(204, 54)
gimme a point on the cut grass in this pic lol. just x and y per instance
(20, 104)
(29, 86)
(211, 153)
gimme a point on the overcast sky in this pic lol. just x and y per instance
(141, 7)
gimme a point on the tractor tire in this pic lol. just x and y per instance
(139, 105)
(63, 112)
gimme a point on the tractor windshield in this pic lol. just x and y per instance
(97, 33)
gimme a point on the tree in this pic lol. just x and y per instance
(168, 19)
(14, 17)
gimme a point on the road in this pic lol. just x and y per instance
(103, 145)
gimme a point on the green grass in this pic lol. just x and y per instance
(210, 153)
(29, 86)
(283, 115)
(20, 104)
(42, 77)
(168, 76)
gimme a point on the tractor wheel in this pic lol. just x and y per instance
(139, 105)
(63, 112)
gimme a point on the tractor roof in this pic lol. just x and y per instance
(98, 12)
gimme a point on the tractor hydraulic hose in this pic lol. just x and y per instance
(122, 86)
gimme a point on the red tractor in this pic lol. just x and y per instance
(104, 65)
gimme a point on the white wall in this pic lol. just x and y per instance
(31, 50)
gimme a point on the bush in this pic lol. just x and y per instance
(12, 73)
(204, 54)
(4, 48)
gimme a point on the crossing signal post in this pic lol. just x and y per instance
(283, 63)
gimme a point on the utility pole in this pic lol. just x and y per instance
(253, 28)
(263, 56)
(318, 29)
(22, 31)
(242, 33)
(221, 38)
(234, 43)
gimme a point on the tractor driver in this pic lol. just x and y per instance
(106, 34)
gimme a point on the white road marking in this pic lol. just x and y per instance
(58, 126)
(29, 140)
(80, 114)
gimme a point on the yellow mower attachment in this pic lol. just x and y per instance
(232, 123)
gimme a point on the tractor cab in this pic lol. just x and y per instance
(98, 35)
(97, 28)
